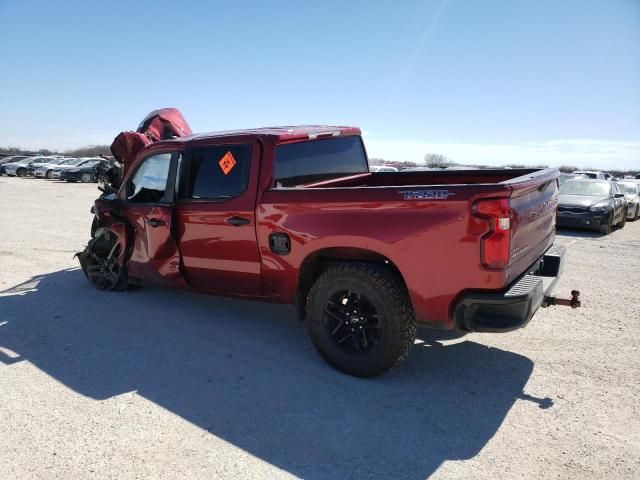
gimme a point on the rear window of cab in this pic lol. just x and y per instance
(316, 160)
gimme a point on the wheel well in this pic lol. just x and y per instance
(317, 262)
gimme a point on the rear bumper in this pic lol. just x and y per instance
(513, 308)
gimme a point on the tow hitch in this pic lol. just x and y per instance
(573, 302)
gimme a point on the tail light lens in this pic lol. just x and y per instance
(495, 245)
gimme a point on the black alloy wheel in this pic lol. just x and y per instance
(352, 322)
(360, 318)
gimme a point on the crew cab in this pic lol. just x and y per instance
(294, 215)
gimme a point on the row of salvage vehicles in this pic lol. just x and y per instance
(84, 169)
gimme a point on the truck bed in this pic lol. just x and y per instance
(425, 178)
(422, 222)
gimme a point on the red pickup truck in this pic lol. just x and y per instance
(293, 215)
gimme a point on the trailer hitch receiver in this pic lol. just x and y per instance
(573, 302)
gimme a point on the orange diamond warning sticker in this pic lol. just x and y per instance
(227, 163)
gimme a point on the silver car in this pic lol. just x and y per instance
(631, 190)
(19, 169)
(45, 170)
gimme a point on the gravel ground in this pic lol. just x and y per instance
(163, 384)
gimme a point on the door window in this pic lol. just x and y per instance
(149, 183)
(218, 172)
(616, 190)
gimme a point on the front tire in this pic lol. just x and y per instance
(99, 262)
(606, 229)
(623, 222)
(360, 318)
(48, 175)
(21, 172)
(86, 178)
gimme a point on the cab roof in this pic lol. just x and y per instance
(278, 134)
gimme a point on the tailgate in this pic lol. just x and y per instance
(533, 203)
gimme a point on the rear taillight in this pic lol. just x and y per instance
(496, 243)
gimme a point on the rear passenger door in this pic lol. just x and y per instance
(215, 217)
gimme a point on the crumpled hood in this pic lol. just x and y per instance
(158, 125)
(580, 200)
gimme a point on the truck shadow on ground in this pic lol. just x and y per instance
(247, 373)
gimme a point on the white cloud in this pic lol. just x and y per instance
(605, 154)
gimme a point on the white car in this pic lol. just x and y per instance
(45, 170)
(382, 168)
(631, 190)
(594, 175)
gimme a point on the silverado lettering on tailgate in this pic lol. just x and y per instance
(538, 211)
(426, 194)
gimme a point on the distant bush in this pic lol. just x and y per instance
(437, 160)
(89, 151)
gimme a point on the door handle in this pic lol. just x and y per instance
(237, 221)
(155, 222)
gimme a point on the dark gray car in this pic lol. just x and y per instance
(598, 204)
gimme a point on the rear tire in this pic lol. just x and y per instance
(635, 217)
(360, 318)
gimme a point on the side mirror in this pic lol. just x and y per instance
(618, 195)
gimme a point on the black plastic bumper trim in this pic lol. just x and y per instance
(513, 308)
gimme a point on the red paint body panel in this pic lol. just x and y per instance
(434, 243)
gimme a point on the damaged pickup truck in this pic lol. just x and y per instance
(293, 215)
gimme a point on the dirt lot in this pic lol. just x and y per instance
(163, 384)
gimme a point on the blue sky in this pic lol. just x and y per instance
(493, 81)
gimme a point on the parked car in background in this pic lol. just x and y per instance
(31, 169)
(586, 203)
(85, 173)
(594, 175)
(382, 168)
(631, 190)
(567, 176)
(19, 169)
(10, 159)
(55, 174)
(45, 170)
